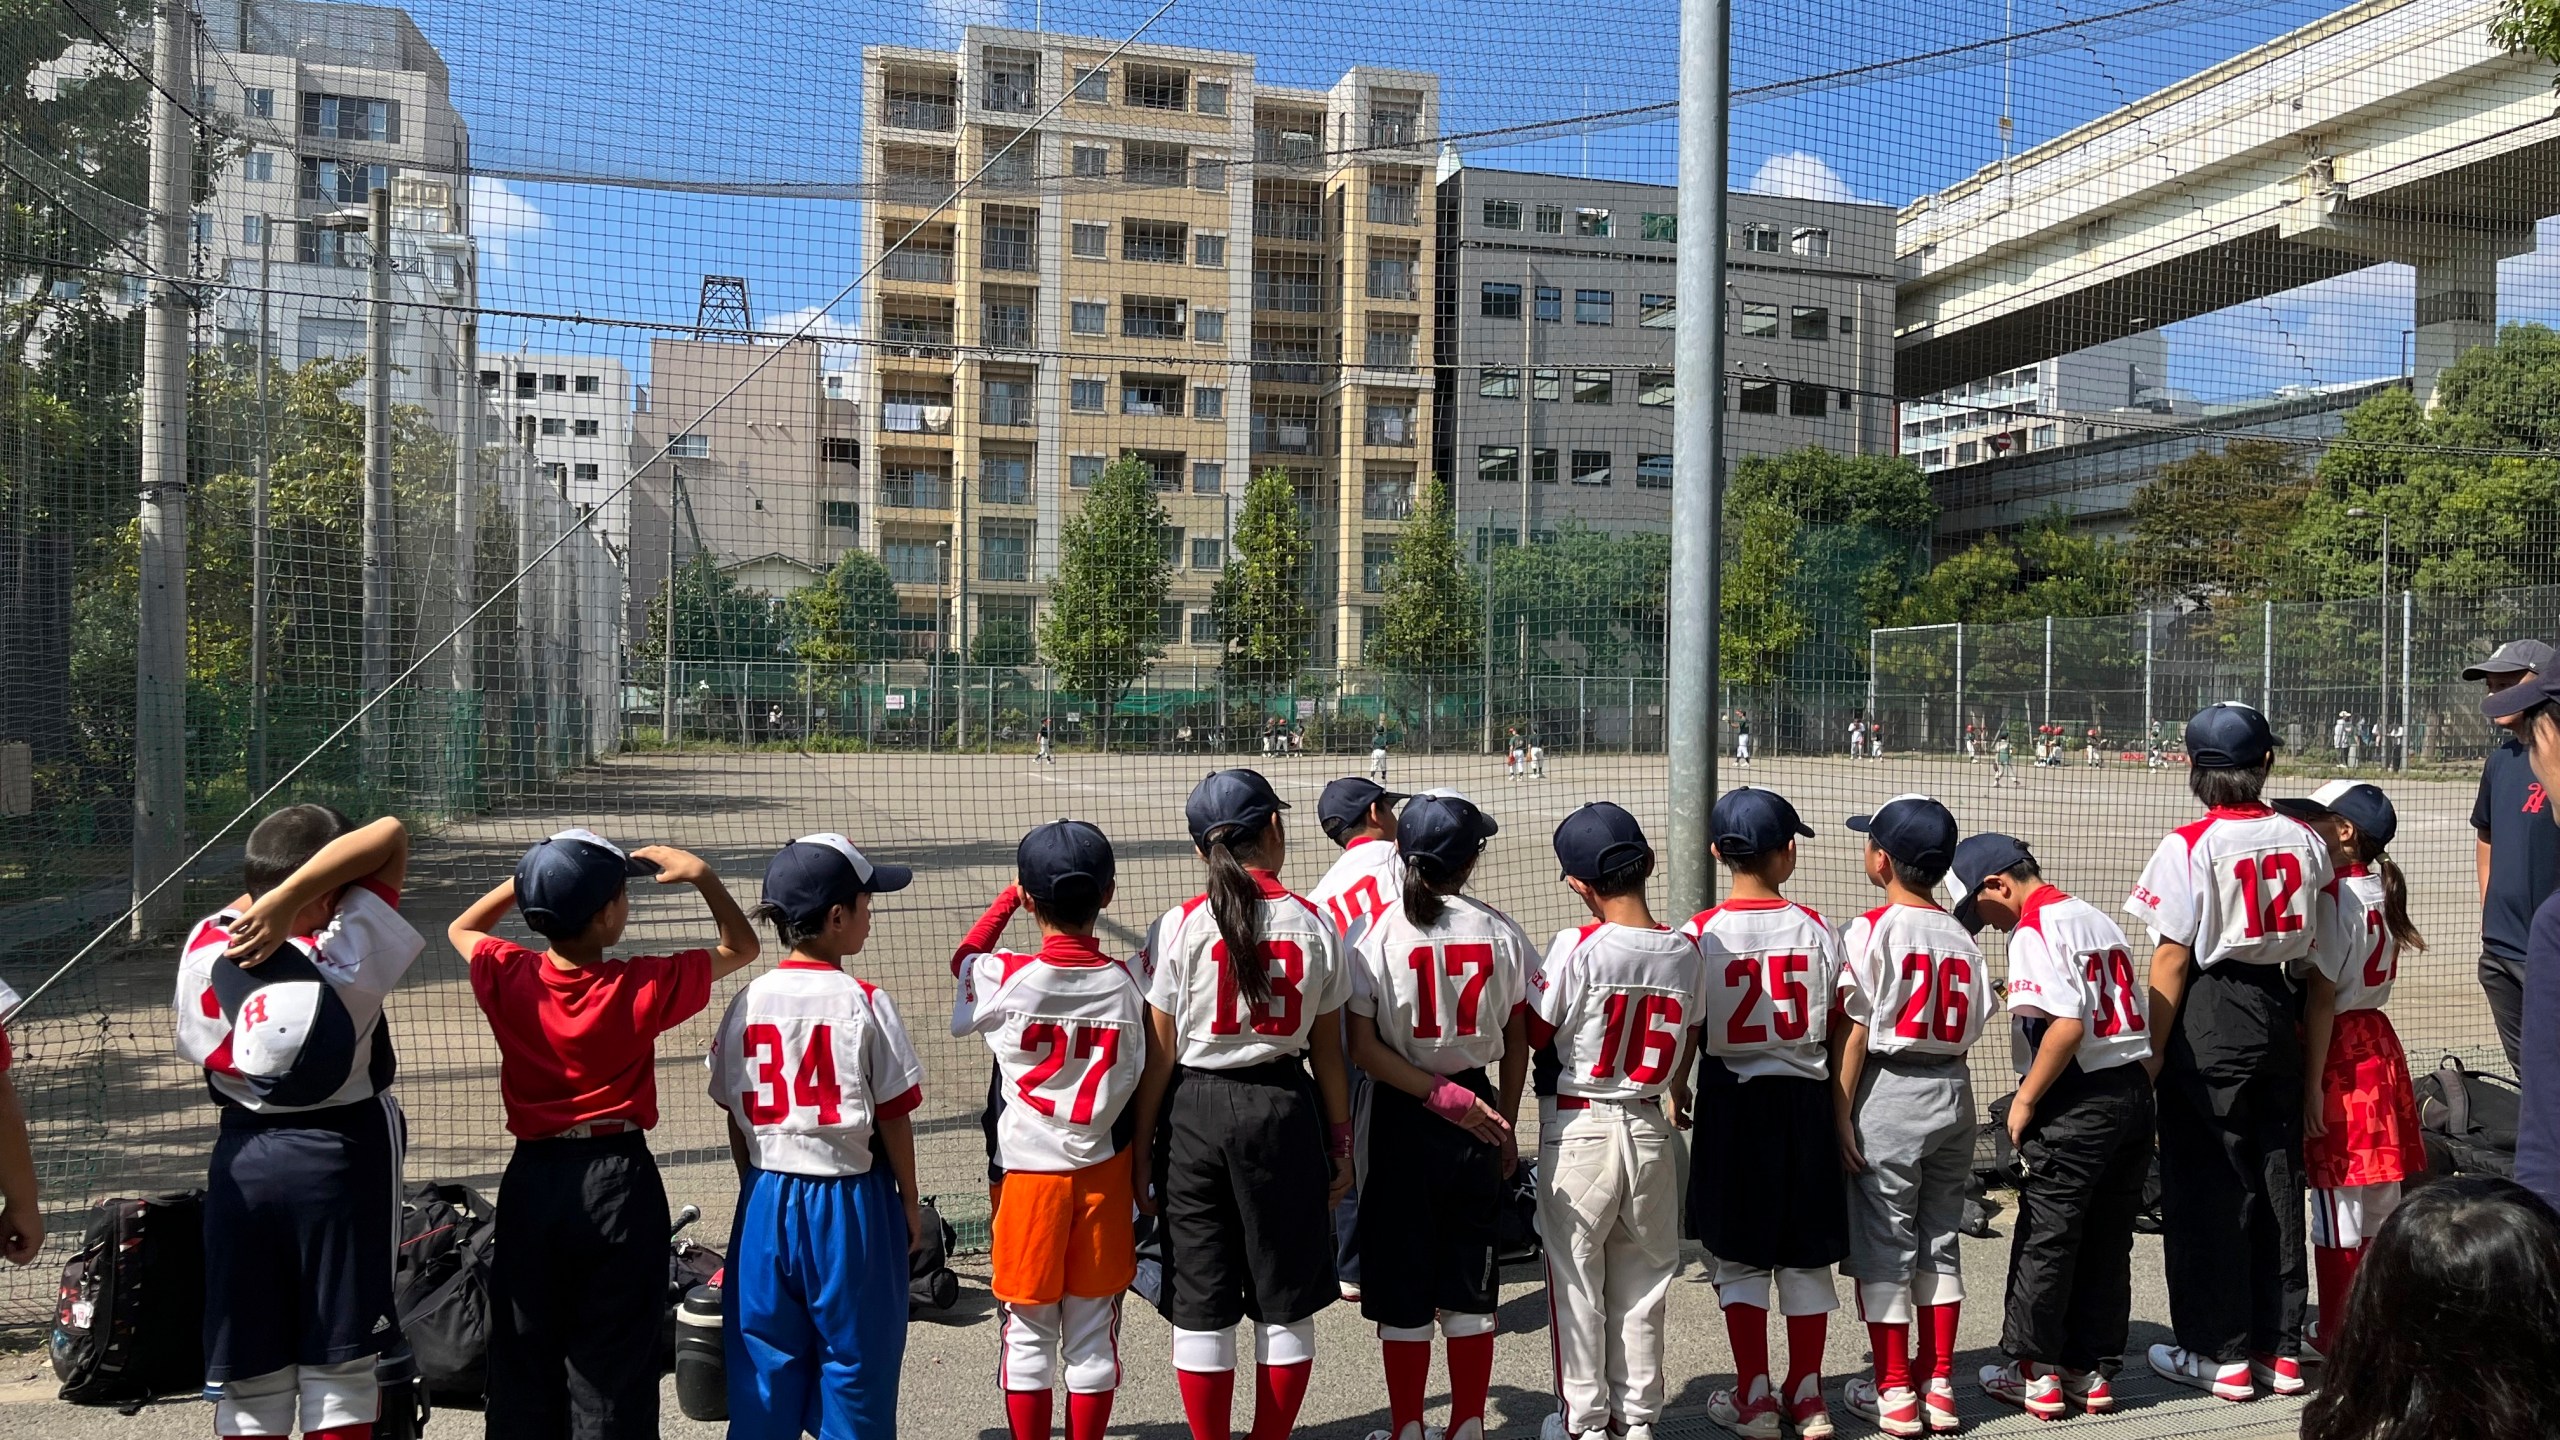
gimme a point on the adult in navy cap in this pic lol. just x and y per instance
(2530, 709)
(1358, 814)
(2517, 848)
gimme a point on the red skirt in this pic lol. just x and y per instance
(2369, 1106)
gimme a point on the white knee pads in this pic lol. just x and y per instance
(1204, 1351)
(341, 1394)
(258, 1404)
(1799, 1291)
(1214, 1350)
(1285, 1344)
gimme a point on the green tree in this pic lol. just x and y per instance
(1003, 640)
(1582, 602)
(1819, 549)
(719, 626)
(1763, 621)
(2045, 569)
(847, 617)
(1428, 621)
(1104, 627)
(2528, 27)
(2210, 527)
(1263, 614)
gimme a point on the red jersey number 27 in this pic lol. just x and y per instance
(1098, 1045)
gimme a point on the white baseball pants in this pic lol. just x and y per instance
(1609, 1212)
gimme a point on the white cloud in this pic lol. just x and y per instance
(833, 330)
(1800, 175)
(501, 218)
(945, 19)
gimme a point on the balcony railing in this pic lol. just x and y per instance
(916, 492)
(1272, 222)
(931, 267)
(923, 112)
(1283, 437)
(912, 417)
(1008, 409)
(1394, 131)
(1012, 332)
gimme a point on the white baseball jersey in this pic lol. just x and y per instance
(2237, 885)
(1915, 979)
(1194, 981)
(808, 1060)
(2366, 956)
(1441, 994)
(1069, 1028)
(1773, 969)
(1367, 879)
(1618, 1001)
(2068, 961)
(262, 1037)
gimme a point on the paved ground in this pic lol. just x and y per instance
(949, 1390)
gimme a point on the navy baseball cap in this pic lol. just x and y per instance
(2537, 688)
(562, 882)
(2362, 805)
(1064, 857)
(1913, 829)
(1976, 860)
(1597, 839)
(1441, 833)
(2229, 736)
(814, 873)
(2513, 658)
(1748, 821)
(1238, 797)
(1345, 803)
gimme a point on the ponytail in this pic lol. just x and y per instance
(1422, 904)
(2395, 905)
(1235, 902)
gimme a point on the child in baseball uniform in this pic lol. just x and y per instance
(1436, 996)
(578, 1283)
(1619, 1000)
(2236, 903)
(2081, 1121)
(2360, 1112)
(1765, 1195)
(1243, 1002)
(1067, 1023)
(1360, 816)
(813, 1067)
(1913, 993)
(280, 998)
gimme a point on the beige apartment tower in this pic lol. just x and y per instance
(1179, 263)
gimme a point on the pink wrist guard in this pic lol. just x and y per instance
(1450, 1101)
(1337, 1140)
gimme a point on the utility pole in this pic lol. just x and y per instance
(960, 614)
(377, 483)
(466, 495)
(160, 648)
(1489, 543)
(259, 558)
(1697, 448)
(667, 619)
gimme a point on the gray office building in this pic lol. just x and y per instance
(1554, 337)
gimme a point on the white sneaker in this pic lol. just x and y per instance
(1895, 1411)
(2185, 1367)
(2039, 1395)
(1752, 1414)
(1938, 1406)
(1806, 1411)
(2281, 1374)
(1638, 1430)
(1415, 1431)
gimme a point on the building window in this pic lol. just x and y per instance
(1152, 164)
(1092, 85)
(1169, 623)
(1497, 300)
(839, 514)
(1212, 96)
(1759, 397)
(1004, 479)
(525, 380)
(1595, 307)
(912, 561)
(1208, 477)
(350, 117)
(1209, 326)
(489, 379)
(1660, 229)
(1012, 238)
(1084, 470)
(1653, 387)
(1394, 202)
(253, 229)
(1169, 540)
(1386, 495)
(258, 101)
(1390, 343)
(1659, 312)
(1813, 242)
(1008, 402)
(1498, 382)
(1550, 219)
(1153, 395)
(1590, 467)
(1653, 472)
(1089, 317)
(1758, 320)
(1209, 251)
(1932, 459)
(589, 384)
(555, 384)
(1497, 464)
(258, 165)
(1156, 87)
(1393, 267)
(586, 428)
(1013, 82)
(1542, 467)
(1502, 214)
(1012, 160)
(1848, 323)
(1008, 316)
(1152, 317)
(1968, 451)
(1377, 562)
(1762, 239)
(690, 446)
(1288, 282)
(1806, 399)
(1086, 395)
(1546, 384)
(1156, 242)
(2044, 437)
(1809, 322)
(1208, 402)
(1092, 162)
(1390, 422)
(1591, 387)
(1204, 623)
(342, 182)
(1092, 242)
(1004, 550)
(1591, 224)
(1550, 304)
(586, 474)
(1208, 174)
(1164, 469)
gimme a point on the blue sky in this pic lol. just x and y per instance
(767, 96)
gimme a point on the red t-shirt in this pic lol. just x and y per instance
(580, 1045)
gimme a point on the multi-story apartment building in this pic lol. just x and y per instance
(329, 102)
(765, 480)
(2033, 407)
(573, 414)
(1556, 315)
(1180, 264)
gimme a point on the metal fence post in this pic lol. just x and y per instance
(2048, 676)
(2408, 718)
(2267, 660)
(1958, 725)
(1697, 450)
(2150, 727)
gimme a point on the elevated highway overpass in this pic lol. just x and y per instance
(2392, 130)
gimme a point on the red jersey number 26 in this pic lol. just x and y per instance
(782, 1086)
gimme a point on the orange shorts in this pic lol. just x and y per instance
(1065, 1233)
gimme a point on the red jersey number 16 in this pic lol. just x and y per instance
(1653, 1045)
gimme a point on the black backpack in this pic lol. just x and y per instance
(930, 1284)
(441, 1287)
(129, 1325)
(2468, 1120)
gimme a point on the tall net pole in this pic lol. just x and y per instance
(160, 650)
(1697, 447)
